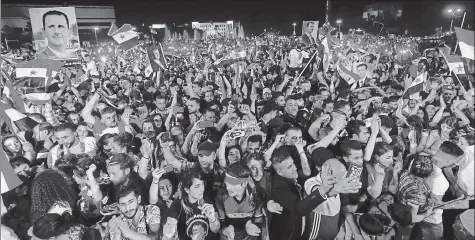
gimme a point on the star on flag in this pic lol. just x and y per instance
(121, 36)
(459, 69)
(33, 72)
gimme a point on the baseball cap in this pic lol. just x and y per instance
(206, 148)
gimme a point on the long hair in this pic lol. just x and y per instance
(47, 188)
(52, 225)
(380, 148)
(416, 122)
(187, 182)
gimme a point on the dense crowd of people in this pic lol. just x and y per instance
(275, 144)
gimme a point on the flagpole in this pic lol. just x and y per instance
(461, 85)
(308, 63)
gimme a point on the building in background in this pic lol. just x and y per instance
(91, 20)
(228, 28)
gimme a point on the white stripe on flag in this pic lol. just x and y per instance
(457, 68)
(466, 50)
(14, 115)
(39, 96)
(124, 36)
(4, 184)
(31, 72)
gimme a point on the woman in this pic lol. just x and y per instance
(162, 192)
(57, 224)
(191, 205)
(104, 145)
(158, 123)
(232, 154)
(383, 172)
(413, 189)
(441, 134)
(240, 206)
(49, 187)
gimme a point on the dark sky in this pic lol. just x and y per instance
(255, 15)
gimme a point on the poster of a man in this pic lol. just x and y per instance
(157, 57)
(55, 32)
(309, 32)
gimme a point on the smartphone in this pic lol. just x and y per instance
(237, 134)
(354, 170)
(178, 109)
(205, 124)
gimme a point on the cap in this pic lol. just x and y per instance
(206, 148)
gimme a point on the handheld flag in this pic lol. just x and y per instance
(112, 29)
(126, 37)
(15, 120)
(416, 87)
(466, 42)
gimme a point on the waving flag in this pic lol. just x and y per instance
(416, 87)
(15, 120)
(455, 64)
(232, 57)
(126, 37)
(466, 42)
(35, 79)
(112, 29)
(9, 180)
(344, 69)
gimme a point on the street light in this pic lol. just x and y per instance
(95, 33)
(339, 21)
(453, 12)
(294, 24)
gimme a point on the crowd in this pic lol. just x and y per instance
(276, 144)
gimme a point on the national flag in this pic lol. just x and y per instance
(466, 42)
(15, 120)
(17, 101)
(112, 29)
(455, 64)
(8, 178)
(232, 57)
(344, 69)
(35, 78)
(126, 37)
(327, 43)
(416, 87)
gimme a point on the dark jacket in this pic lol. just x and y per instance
(288, 225)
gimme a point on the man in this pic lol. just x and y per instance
(193, 106)
(288, 218)
(307, 37)
(56, 30)
(294, 140)
(161, 106)
(136, 221)
(295, 59)
(323, 222)
(206, 165)
(69, 143)
(362, 70)
(121, 174)
(358, 131)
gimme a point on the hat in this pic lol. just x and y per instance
(206, 148)
(266, 90)
(196, 219)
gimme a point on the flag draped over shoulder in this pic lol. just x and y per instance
(35, 78)
(466, 42)
(126, 37)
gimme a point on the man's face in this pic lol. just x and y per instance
(235, 189)
(293, 136)
(328, 108)
(128, 205)
(280, 101)
(22, 170)
(310, 28)
(209, 96)
(206, 161)
(253, 147)
(117, 176)
(210, 116)
(196, 190)
(142, 112)
(363, 136)
(161, 104)
(192, 106)
(65, 137)
(356, 157)
(287, 169)
(109, 119)
(177, 135)
(74, 117)
(257, 169)
(56, 30)
(291, 107)
(361, 70)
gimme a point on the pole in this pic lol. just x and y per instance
(451, 23)
(294, 29)
(463, 19)
(95, 33)
(308, 63)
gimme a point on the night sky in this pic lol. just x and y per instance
(255, 15)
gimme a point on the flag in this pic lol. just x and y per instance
(232, 57)
(466, 42)
(112, 29)
(16, 99)
(8, 178)
(126, 37)
(344, 69)
(416, 87)
(15, 120)
(327, 43)
(35, 78)
(152, 31)
(455, 64)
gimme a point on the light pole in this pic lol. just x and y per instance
(294, 24)
(453, 16)
(95, 33)
(339, 21)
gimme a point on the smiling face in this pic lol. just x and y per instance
(56, 30)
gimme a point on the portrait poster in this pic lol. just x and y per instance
(55, 32)
(309, 30)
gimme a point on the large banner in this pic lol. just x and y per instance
(309, 32)
(55, 32)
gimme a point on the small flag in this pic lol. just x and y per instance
(112, 29)
(15, 120)
(126, 37)
(416, 87)
(35, 78)
(455, 64)
(466, 42)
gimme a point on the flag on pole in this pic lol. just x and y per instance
(157, 58)
(112, 29)
(15, 120)
(455, 64)
(126, 37)
(466, 42)
(416, 87)
(36, 78)
(344, 69)
(232, 57)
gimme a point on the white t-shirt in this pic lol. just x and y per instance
(465, 176)
(438, 185)
(295, 58)
(331, 206)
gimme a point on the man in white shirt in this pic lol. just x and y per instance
(295, 58)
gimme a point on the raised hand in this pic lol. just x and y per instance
(157, 173)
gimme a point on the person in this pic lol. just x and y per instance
(57, 31)
(307, 37)
(136, 220)
(287, 204)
